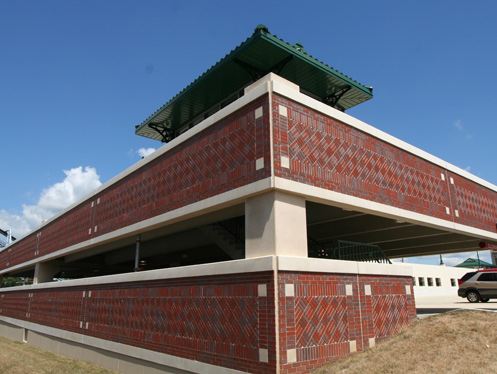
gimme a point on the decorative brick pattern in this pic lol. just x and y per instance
(220, 320)
(63, 310)
(321, 323)
(329, 154)
(220, 158)
(473, 203)
(15, 304)
(226, 320)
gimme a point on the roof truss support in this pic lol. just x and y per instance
(165, 132)
(256, 73)
(335, 96)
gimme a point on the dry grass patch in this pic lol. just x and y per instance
(19, 358)
(461, 342)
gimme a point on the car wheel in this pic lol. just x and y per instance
(484, 300)
(473, 296)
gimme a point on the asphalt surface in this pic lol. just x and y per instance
(435, 304)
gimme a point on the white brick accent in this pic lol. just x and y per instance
(289, 290)
(372, 342)
(348, 290)
(283, 111)
(262, 290)
(353, 346)
(285, 162)
(291, 356)
(258, 113)
(263, 355)
(367, 289)
(259, 163)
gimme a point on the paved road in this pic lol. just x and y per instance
(434, 304)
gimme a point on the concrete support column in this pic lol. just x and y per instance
(44, 272)
(275, 224)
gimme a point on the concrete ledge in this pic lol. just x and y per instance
(11, 331)
(122, 351)
(218, 268)
(316, 265)
(258, 264)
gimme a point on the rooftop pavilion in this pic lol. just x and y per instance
(224, 82)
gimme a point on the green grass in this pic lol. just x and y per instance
(461, 342)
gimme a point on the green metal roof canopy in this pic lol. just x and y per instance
(475, 263)
(259, 55)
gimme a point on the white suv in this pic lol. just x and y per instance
(478, 285)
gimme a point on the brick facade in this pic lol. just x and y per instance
(219, 159)
(224, 320)
(322, 318)
(329, 154)
(321, 151)
(218, 320)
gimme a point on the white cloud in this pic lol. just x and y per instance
(450, 259)
(17, 224)
(144, 152)
(467, 168)
(458, 125)
(76, 184)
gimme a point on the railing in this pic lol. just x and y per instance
(348, 251)
(338, 249)
(236, 227)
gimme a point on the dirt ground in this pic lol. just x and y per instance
(459, 342)
(19, 358)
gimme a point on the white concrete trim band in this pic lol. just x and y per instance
(341, 200)
(267, 263)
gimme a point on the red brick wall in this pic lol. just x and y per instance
(321, 319)
(218, 159)
(329, 154)
(323, 152)
(219, 320)
(222, 320)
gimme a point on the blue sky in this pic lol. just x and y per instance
(76, 77)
